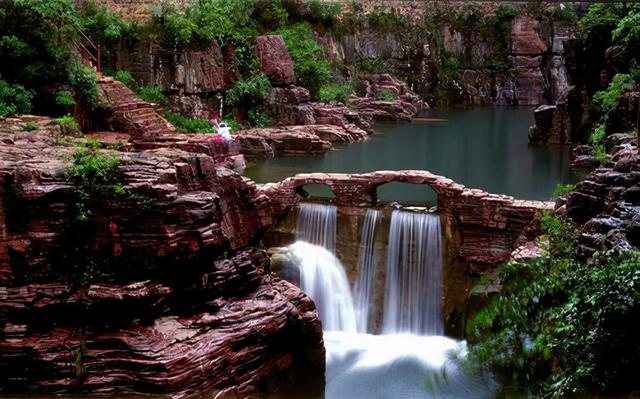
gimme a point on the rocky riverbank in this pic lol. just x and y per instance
(161, 288)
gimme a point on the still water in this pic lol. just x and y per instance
(484, 148)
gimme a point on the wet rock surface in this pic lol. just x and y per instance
(172, 295)
(606, 204)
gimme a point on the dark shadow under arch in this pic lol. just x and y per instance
(407, 194)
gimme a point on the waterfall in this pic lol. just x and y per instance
(413, 285)
(363, 289)
(323, 278)
(316, 224)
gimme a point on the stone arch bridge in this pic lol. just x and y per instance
(482, 228)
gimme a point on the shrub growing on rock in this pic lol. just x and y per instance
(560, 327)
(184, 124)
(334, 92)
(309, 60)
(14, 99)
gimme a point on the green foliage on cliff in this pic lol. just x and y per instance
(324, 11)
(153, 95)
(257, 118)
(228, 22)
(309, 59)
(95, 176)
(563, 189)
(249, 91)
(608, 100)
(385, 19)
(184, 124)
(37, 46)
(334, 92)
(126, 78)
(385, 95)
(561, 327)
(271, 14)
(14, 99)
(68, 123)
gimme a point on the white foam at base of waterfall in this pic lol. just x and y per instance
(399, 366)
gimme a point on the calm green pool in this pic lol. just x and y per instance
(484, 148)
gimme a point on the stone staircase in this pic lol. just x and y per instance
(128, 113)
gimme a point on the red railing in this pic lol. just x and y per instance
(89, 51)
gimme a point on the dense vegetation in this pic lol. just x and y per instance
(561, 327)
(611, 26)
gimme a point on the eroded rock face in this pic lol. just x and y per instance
(139, 298)
(274, 59)
(607, 204)
(296, 140)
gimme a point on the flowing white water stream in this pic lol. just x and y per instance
(413, 286)
(363, 289)
(316, 224)
(417, 364)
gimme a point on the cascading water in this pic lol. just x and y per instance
(316, 224)
(363, 289)
(322, 277)
(413, 285)
(408, 365)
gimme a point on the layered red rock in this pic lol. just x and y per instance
(274, 59)
(296, 140)
(128, 113)
(525, 37)
(140, 297)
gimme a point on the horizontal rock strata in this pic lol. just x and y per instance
(163, 290)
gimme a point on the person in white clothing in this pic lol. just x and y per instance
(225, 132)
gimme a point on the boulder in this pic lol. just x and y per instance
(274, 59)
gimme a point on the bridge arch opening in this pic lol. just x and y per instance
(316, 191)
(407, 194)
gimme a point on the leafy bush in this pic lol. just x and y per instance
(334, 92)
(68, 123)
(153, 95)
(324, 11)
(84, 80)
(385, 20)
(627, 35)
(385, 95)
(309, 59)
(609, 99)
(232, 123)
(65, 99)
(563, 189)
(257, 118)
(30, 126)
(271, 14)
(95, 176)
(14, 99)
(564, 13)
(185, 124)
(127, 79)
(597, 139)
(228, 22)
(560, 327)
(249, 91)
